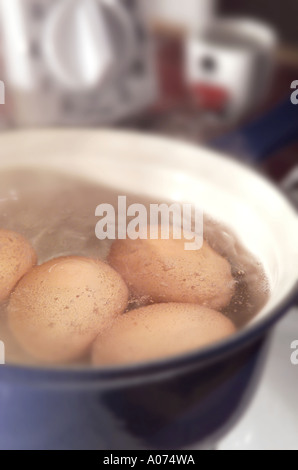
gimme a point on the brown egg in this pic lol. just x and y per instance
(59, 308)
(163, 271)
(159, 331)
(17, 257)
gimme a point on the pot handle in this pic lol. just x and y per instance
(259, 140)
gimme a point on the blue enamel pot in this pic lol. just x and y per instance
(183, 402)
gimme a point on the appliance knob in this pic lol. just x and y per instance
(76, 44)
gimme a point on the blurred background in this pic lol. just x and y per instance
(196, 69)
(206, 71)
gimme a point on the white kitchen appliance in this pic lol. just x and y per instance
(76, 62)
(230, 65)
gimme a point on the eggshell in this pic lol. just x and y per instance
(163, 271)
(59, 308)
(17, 257)
(159, 331)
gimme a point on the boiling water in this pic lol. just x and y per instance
(57, 214)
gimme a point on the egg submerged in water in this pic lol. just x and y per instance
(59, 308)
(159, 331)
(17, 257)
(163, 271)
